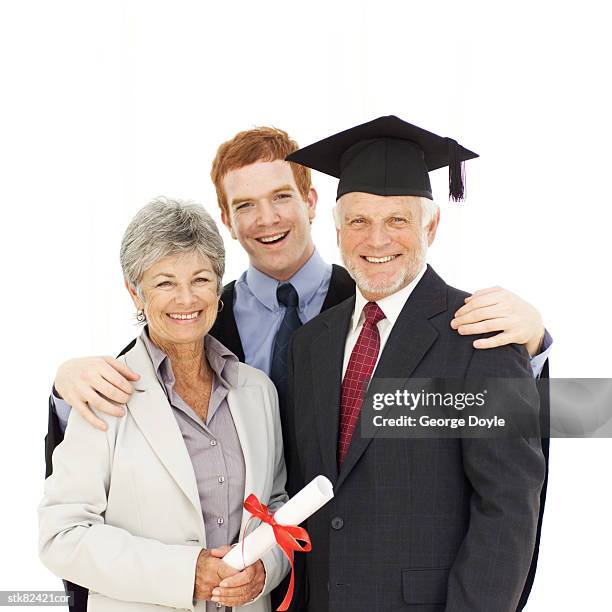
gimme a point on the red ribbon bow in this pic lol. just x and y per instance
(286, 536)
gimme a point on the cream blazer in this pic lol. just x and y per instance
(121, 513)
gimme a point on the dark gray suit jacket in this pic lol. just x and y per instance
(427, 525)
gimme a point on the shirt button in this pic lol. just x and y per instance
(219, 604)
(213, 443)
(221, 479)
(220, 521)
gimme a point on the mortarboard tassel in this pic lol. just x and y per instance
(456, 172)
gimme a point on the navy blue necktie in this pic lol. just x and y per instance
(288, 297)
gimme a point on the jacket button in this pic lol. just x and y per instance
(337, 523)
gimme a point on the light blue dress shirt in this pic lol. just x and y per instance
(257, 311)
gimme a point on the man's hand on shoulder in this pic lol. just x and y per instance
(496, 309)
(95, 382)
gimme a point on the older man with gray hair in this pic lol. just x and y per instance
(441, 524)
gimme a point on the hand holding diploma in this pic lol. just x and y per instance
(281, 528)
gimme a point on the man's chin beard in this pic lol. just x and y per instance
(379, 289)
(382, 290)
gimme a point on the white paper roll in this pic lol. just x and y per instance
(302, 505)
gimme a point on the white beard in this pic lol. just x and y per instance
(414, 263)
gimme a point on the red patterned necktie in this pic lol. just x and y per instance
(358, 374)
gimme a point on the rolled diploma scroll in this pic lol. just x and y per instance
(302, 505)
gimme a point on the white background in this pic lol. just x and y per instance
(108, 104)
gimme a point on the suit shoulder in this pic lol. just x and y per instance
(342, 280)
(508, 360)
(456, 298)
(322, 320)
(228, 290)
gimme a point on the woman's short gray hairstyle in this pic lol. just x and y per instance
(167, 227)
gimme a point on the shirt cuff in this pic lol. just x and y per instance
(538, 361)
(62, 409)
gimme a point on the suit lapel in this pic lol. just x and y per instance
(153, 415)
(326, 356)
(410, 340)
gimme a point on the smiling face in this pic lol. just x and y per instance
(269, 217)
(382, 241)
(180, 298)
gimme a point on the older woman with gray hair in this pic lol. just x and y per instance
(141, 513)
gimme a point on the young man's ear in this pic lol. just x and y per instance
(311, 203)
(225, 217)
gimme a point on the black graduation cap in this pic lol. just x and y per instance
(386, 156)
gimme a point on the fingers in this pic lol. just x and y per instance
(122, 369)
(497, 309)
(95, 383)
(485, 291)
(483, 327)
(493, 341)
(479, 301)
(109, 382)
(95, 400)
(239, 579)
(234, 602)
(239, 589)
(220, 552)
(110, 391)
(479, 314)
(83, 409)
(225, 571)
